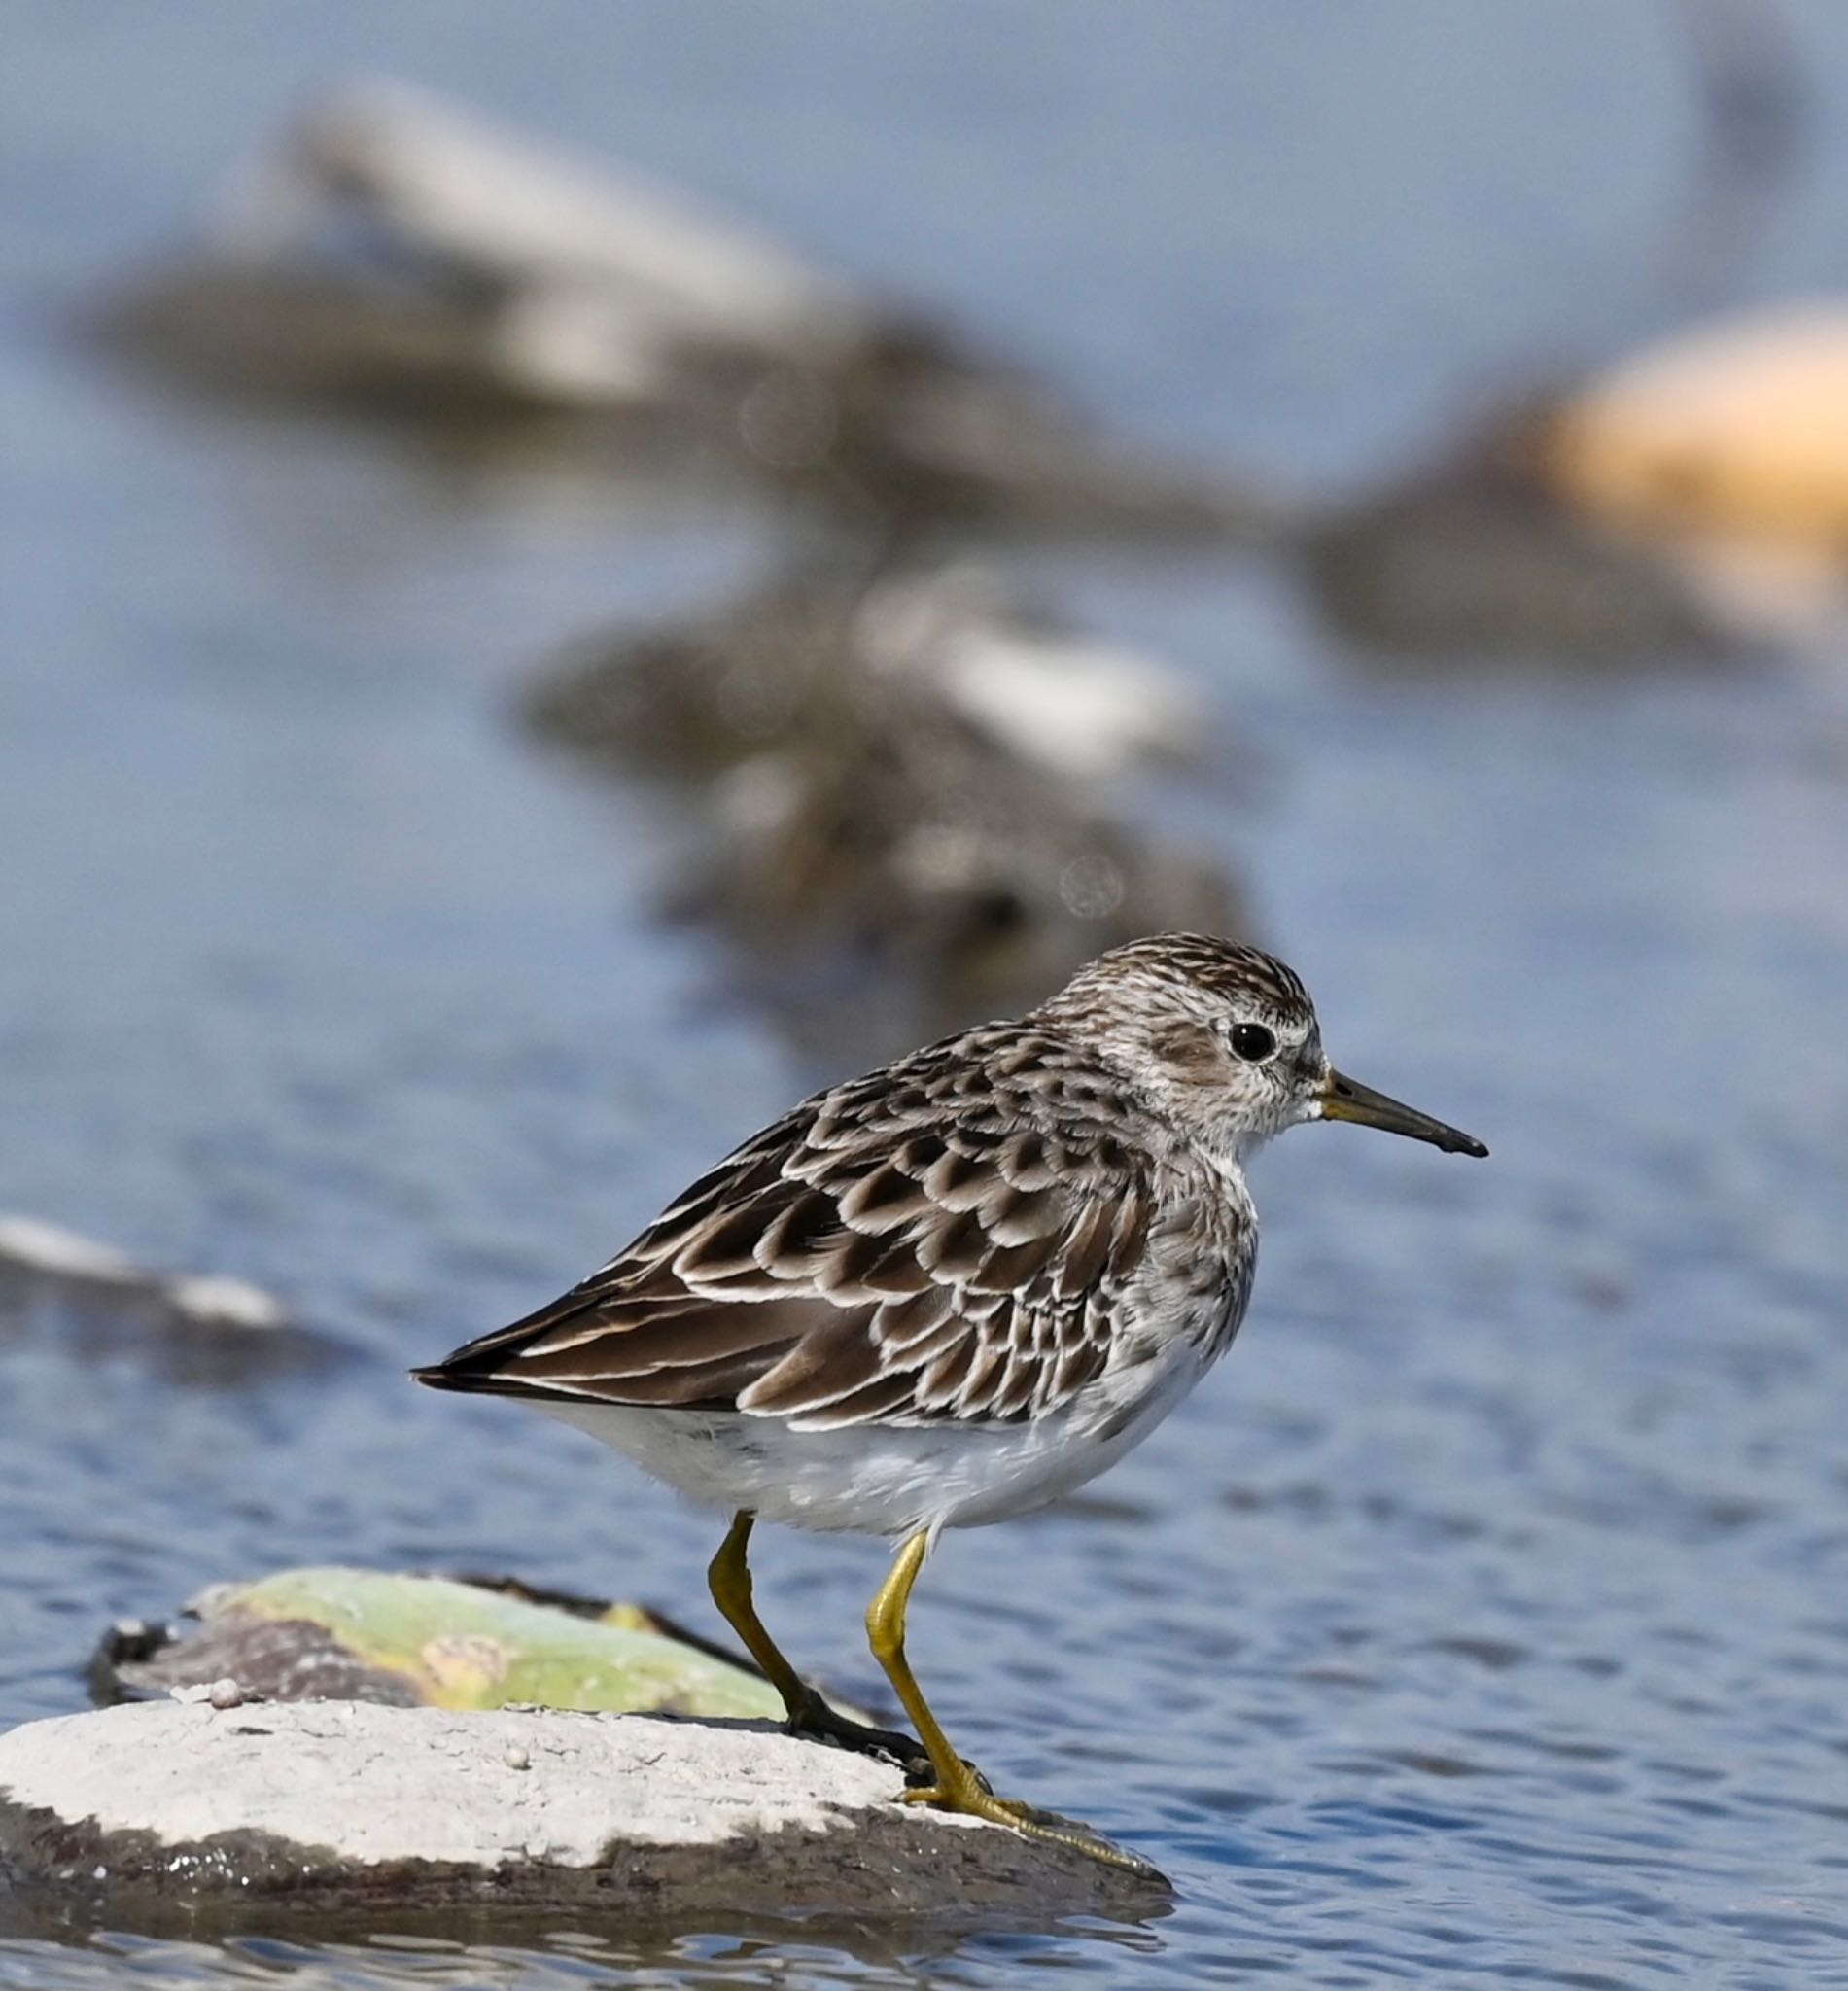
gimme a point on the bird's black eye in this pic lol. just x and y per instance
(1252, 1042)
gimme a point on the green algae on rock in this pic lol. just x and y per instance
(334, 1633)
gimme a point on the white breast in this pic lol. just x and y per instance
(892, 1480)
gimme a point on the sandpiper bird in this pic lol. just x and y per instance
(951, 1291)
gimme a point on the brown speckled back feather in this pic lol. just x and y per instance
(948, 1238)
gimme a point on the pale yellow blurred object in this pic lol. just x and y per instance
(1737, 432)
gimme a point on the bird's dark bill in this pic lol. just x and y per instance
(1343, 1099)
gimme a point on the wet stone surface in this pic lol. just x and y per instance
(343, 1806)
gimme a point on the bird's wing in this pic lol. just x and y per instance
(913, 1246)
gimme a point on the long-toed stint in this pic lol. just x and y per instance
(951, 1291)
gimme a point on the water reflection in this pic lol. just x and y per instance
(463, 1947)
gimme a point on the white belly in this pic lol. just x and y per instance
(892, 1480)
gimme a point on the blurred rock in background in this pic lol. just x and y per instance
(1724, 452)
(1516, 537)
(1689, 499)
(1474, 556)
(901, 764)
(908, 774)
(758, 672)
(900, 840)
(394, 254)
(202, 1328)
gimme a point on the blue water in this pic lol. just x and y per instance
(1482, 1618)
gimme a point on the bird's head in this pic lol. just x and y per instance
(1224, 1040)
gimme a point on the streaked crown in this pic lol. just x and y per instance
(1227, 969)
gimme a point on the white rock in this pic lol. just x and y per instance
(214, 1300)
(37, 1251)
(445, 181)
(31, 1244)
(1074, 705)
(324, 1801)
(1080, 707)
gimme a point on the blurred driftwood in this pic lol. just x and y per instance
(394, 252)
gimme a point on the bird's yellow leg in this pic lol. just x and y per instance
(728, 1577)
(958, 1786)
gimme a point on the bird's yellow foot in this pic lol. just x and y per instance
(815, 1717)
(968, 1791)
